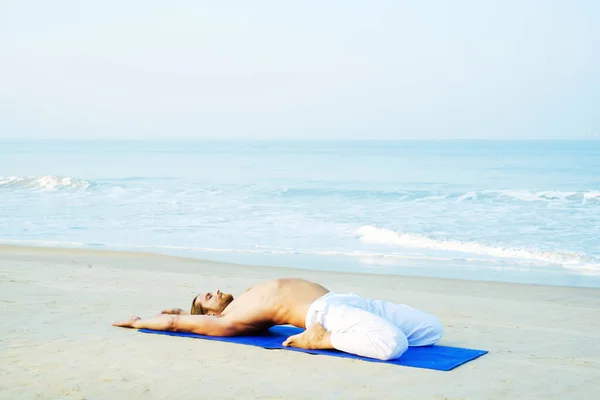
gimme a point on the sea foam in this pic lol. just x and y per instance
(526, 195)
(47, 182)
(374, 235)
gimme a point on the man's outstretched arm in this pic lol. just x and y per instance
(200, 324)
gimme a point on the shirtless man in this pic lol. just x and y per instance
(346, 322)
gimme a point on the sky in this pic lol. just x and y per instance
(299, 70)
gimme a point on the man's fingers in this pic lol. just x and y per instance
(127, 324)
(124, 324)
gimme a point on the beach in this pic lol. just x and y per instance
(57, 306)
(443, 156)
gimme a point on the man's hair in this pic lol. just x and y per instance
(197, 309)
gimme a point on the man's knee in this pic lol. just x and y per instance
(435, 331)
(438, 329)
(390, 345)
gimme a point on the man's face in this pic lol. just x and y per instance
(214, 302)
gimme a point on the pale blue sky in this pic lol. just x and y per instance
(308, 69)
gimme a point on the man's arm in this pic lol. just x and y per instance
(200, 324)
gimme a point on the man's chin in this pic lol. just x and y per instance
(227, 299)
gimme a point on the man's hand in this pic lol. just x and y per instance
(174, 311)
(127, 324)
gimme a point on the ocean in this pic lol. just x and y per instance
(510, 211)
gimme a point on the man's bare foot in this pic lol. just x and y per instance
(127, 324)
(315, 337)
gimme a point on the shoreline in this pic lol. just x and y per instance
(57, 306)
(470, 273)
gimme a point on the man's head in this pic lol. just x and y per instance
(212, 303)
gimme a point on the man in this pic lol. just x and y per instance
(346, 322)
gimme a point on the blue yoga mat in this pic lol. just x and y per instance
(441, 358)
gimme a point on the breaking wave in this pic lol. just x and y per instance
(591, 195)
(526, 195)
(529, 196)
(48, 182)
(374, 235)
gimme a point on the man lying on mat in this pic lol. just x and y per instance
(346, 322)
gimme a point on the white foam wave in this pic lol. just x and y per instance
(374, 235)
(433, 198)
(526, 195)
(591, 195)
(48, 182)
(467, 196)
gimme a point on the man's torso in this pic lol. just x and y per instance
(278, 302)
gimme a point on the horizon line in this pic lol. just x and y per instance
(182, 139)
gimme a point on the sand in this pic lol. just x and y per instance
(57, 341)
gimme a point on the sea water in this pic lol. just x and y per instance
(516, 211)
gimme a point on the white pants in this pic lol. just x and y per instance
(373, 328)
